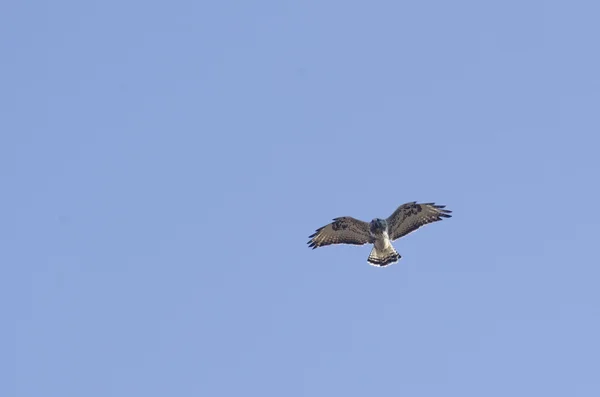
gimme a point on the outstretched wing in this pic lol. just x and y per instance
(344, 230)
(411, 216)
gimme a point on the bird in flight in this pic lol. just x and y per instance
(380, 232)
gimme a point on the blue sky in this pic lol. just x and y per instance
(163, 164)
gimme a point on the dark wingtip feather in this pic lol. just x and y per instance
(440, 207)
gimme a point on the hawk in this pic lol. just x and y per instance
(380, 232)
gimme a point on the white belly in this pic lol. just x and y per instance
(382, 242)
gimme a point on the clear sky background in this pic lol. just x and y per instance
(163, 164)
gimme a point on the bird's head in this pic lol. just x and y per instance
(378, 226)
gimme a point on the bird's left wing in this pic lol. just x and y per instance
(411, 216)
(344, 230)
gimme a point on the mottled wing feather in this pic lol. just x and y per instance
(411, 216)
(344, 230)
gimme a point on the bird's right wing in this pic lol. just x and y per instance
(344, 230)
(411, 216)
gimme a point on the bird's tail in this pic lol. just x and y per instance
(384, 257)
